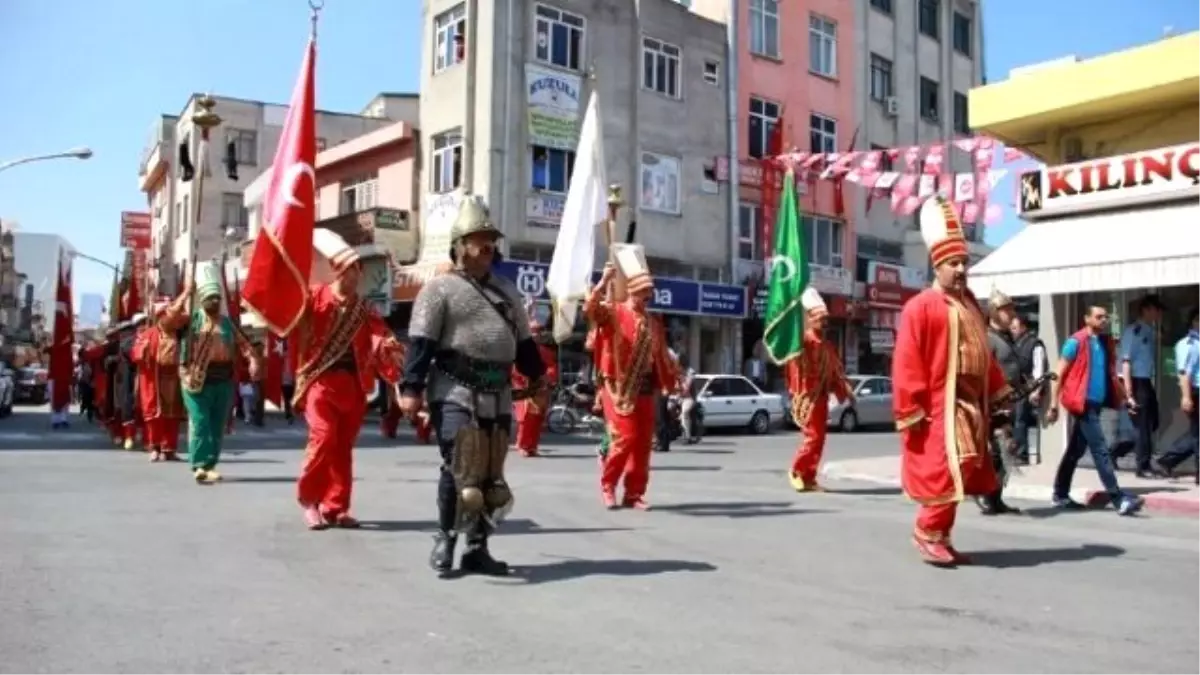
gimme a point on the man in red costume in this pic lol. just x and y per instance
(530, 414)
(811, 378)
(634, 365)
(156, 354)
(945, 384)
(93, 355)
(341, 346)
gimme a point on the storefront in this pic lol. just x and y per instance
(1106, 232)
(888, 287)
(699, 317)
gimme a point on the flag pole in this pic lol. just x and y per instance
(205, 120)
(617, 287)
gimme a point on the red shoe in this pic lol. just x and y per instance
(934, 553)
(170, 456)
(610, 500)
(346, 521)
(313, 519)
(636, 503)
(527, 453)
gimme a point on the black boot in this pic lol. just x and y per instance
(441, 558)
(477, 560)
(989, 505)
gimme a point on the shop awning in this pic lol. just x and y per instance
(1134, 248)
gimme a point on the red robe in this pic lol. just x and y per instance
(156, 353)
(94, 356)
(811, 378)
(530, 414)
(333, 400)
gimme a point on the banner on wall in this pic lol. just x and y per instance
(552, 97)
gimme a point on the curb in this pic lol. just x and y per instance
(1155, 502)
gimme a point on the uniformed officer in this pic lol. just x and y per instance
(1137, 374)
(1187, 368)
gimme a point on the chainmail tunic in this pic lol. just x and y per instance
(452, 313)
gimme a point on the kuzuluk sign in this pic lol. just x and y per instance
(673, 296)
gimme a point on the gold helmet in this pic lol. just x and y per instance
(998, 300)
(472, 217)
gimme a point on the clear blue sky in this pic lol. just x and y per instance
(82, 72)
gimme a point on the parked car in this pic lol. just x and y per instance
(735, 401)
(7, 389)
(872, 405)
(31, 385)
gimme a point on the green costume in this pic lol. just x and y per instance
(605, 441)
(207, 388)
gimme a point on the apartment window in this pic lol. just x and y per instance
(660, 67)
(764, 116)
(962, 124)
(233, 213)
(749, 222)
(712, 72)
(321, 144)
(450, 38)
(825, 241)
(559, 37)
(447, 161)
(962, 34)
(551, 169)
(764, 28)
(822, 132)
(660, 183)
(822, 45)
(359, 194)
(885, 160)
(927, 18)
(245, 143)
(884, 6)
(930, 99)
(881, 78)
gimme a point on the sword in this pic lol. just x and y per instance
(1002, 415)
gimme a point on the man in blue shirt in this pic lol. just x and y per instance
(1187, 367)
(1138, 354)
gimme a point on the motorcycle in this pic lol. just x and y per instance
(571, 410)
(674, 422)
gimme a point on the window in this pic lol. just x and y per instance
(740, 386)
(660, 67)
(245, 143)
(749, 222)
(551, 169)
(824, 241)
(359, 194)
(447, 161)
(962, 124)
(930, 99)
(450, 38)
(885, 160)
(884, 6)
(822, 45)
(660, 183)
(927, 18)
(712, 72)
(233, 213)
(764, 116)
(321, 144)
(822, 132)
(881, 78)
(962, 34)
(559, 37)
(764, 28)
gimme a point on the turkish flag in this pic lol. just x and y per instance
(277, 279)
(62, 360)
(273, 382)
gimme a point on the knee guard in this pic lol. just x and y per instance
(469, 466)
(498, 497)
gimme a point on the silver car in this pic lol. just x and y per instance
(872, 405)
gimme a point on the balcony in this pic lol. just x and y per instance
(156, 157)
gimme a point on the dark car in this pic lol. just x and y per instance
(31, 385)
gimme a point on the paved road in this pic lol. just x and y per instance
(110, 564)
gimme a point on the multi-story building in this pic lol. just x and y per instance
(9, 281)
(36, 256)
(252, 128)
(504, 87)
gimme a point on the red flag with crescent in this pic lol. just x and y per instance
(277, 279)
(62, 357)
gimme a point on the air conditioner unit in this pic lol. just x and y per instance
(891, 106)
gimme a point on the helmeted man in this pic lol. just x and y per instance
(812, 377)
(207, 360)
(530, 413)
(634, 364)
(1004, 350)
(468, 329)
(944, 385)
(156, 355)
(342, 345)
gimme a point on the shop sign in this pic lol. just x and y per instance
(544, 211)
(1137, 178)
(831, 280)
(890, 286)
(671, 296)
(882, 340)
(135, 230)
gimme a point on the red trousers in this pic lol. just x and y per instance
(934, 522)
(130, 429)
(529, 426)
(807, 461)
(629, 451)
(424, 427)
(389, 422)
(162, 434)
(333, 408)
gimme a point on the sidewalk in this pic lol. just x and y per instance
(1179, 496)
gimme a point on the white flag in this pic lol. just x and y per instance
(570, 275)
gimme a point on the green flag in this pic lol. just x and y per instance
(783, 333)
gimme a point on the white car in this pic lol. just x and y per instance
(735, 401)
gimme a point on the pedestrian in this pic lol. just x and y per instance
(156, 354)
(1138, 343)
(530, 414)
(87, 392)
(944, 383)
(1187, 368)
(688, 405)
(1004, 351)
(1086, 384)
(1027, 412)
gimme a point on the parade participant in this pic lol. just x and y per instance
(341, 347)
(206, 371)
(944, 382)
(811, 378)
(1003, 347)
(468, 329)
(93, 356)
(131, 413)
(530, 414)
(111, 412)
(635, 365)
(156, 354)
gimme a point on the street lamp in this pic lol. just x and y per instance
(83, 152)
(114, 268)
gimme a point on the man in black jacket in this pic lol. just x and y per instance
(1032, 353)
(1000, 341)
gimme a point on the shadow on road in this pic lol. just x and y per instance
(565, 570)
(735, 509)
(261, 479)
(1010, 558)
(882, 491)
(509, 527)
(687, 468)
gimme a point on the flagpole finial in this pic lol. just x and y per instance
(315, 6)
(204, 117)
(614, 196)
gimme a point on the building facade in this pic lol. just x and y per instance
(36, 256)
(504, 87)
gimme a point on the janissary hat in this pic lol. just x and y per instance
(208, 280)
(340, 255)
(942, 230)
(813, 304)
(998, 299)
(631, 261)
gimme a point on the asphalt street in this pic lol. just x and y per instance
(112, 564)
